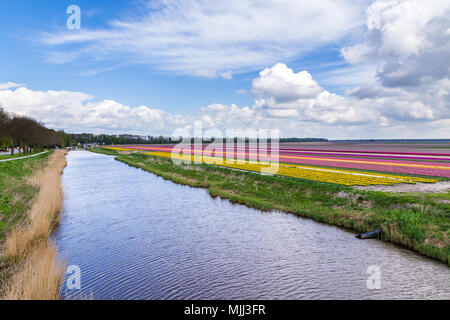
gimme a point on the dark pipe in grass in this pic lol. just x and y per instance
(371, 234)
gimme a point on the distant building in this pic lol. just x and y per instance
(89, 145)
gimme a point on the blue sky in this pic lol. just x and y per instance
(128, 83)
(131, 84)
(184, 58)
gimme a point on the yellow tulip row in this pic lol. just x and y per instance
(119, 149)
(331, 175)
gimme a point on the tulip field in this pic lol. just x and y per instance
(345, 167)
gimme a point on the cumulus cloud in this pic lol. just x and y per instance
(292, 102)
(280, 92)
(228, 116)
(77, 112)
(280, 84)
(74, 111)
(210, 38)
(407, 39)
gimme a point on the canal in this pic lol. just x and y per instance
(134, 235)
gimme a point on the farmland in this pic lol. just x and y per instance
(370, 165)
(344, 177)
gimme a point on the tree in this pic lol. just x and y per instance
(4, 120)
(5, 124)
(27, 133)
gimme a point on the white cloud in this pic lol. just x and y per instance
(74, 111)
(279, 92)
(206, 73)
(10, 85)
(210, 74)
(228, 116)
(408, 41)
(402, 25)
(356, 53)
(292, 102)
(226, 75)
(279, 83)
(210, 38)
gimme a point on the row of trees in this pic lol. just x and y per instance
(71, 139)
(87, 138)
(27, 133)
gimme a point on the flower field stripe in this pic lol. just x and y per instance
(440, 167)
(383, 161)
(378, 175)
(354, 173)
(442, 158)
(372, 162)
(347, 160)
(370, 152)
(387, 155)
(371, 167)
(305, 172)
(289, 150)
(119, 149)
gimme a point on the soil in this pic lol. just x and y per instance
(442, 186)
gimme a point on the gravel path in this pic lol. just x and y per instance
(441, 186)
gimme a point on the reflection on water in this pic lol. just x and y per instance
(137, 236)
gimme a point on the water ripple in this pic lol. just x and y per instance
(137, 236)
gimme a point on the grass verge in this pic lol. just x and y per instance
(415, 221)
(17, 191)
(29, 265)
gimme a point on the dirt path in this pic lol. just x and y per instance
(441, 186)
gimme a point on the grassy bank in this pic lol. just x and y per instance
(419, 222)
(30, 269)
(104, 151)
(17, 191)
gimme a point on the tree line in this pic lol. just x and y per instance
(27, 133)
(72, 139)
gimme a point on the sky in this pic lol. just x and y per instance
(331, 69)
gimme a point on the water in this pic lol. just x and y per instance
(137, 236)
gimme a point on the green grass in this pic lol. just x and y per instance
(104, 151)
(416, 221)
(434, 147)
(16, 193)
